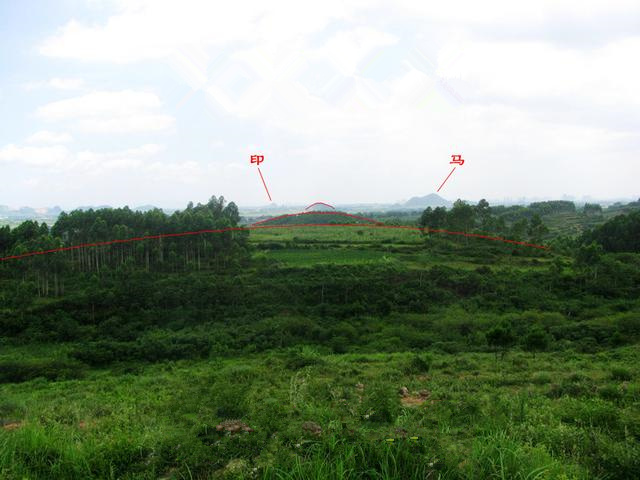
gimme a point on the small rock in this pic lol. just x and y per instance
(401, 432)
(236, 466)
(424, 393)
(313, 428)
(233, 426)
(404, 391)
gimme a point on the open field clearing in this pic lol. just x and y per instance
(558, 415)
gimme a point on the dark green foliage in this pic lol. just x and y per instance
(611, 392)
(419, 364)
(381, 404)
(620, 234)
(15, 372)
(150, 348)
(591, 209)
(537, 340)
(501, 337)
(551, 206)
(434, 218)
(621, 374)
(297, 359)
(339, 344)
(230, 402)
(572, 387)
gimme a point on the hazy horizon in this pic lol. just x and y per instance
(398, 203)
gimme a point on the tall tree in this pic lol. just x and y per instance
(536, 229)
(461, 216)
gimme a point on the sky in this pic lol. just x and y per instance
(137, 102)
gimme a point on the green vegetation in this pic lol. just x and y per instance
(320, 352)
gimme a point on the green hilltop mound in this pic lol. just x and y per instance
(317, 218)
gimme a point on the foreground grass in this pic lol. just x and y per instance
(559, 415)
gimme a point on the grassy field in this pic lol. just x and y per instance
(556, 415)
(306, 246)
(361, 235)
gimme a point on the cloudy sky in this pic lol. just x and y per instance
(162, 102)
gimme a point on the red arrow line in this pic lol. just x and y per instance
(265, 185)
(445, 180)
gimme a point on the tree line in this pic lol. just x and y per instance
(216, 251)
(483, 218)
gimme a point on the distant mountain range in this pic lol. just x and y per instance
(432, 200)
(24, 213)
(48, 213)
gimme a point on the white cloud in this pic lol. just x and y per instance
(54, 156)
(533, 70)
(62, 159)
(110, 112)
(169, 26)
(127, 124)
(57, 83)
(133, 158)
(346, 49)
(45, 136)
(66, 83)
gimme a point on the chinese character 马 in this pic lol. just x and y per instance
(457, 159)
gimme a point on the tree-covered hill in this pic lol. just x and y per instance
(316, 217)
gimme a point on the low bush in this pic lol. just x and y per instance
(16, 372)
(151, 348)
(418, 364)
(621, 374)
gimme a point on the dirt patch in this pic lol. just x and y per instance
(234, 426)
(12, 425)
(313, 428)
(414, 399)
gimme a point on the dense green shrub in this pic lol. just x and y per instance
(418, 364)
(300, 358)
(621, 374)
(610, 392)
(150, 348)
(382, 403)
(15, 372)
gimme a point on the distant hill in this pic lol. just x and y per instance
(318, 217)
(9, 215)
(92, 207)
(431, 200)
(144, 208)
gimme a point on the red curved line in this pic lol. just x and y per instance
(320, 203)
(317, 213)
(258, 227)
